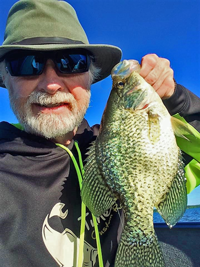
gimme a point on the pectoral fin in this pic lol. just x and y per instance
(174, 205)
(180, 128)
(95, 193)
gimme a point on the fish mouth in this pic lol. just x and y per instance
(125, 68)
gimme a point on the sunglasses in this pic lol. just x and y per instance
(32, 63)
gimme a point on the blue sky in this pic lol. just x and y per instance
(169, 28)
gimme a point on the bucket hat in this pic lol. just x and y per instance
(46, 25)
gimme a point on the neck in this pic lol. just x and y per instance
(65, 139)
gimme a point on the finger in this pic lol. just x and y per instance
(158, 74)
(167, 88)
(166, 76)
(148, 63)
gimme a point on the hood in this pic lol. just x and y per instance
(18, 142)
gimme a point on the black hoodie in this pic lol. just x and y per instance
(40, 207)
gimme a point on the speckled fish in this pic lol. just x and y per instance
(136, 159)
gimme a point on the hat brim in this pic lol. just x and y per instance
(105, 56)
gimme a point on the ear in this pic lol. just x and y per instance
(3, 72)
(2, 79)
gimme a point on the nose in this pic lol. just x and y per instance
(51, 82)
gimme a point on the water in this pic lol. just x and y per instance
(192, 214)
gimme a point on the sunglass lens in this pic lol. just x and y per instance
(72, 63)
(28, 64)
(25, 65)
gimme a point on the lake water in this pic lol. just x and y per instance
(190, 215)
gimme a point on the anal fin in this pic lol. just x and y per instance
(174, 205)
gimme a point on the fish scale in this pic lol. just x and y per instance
(135, 159)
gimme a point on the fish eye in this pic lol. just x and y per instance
(120, 84)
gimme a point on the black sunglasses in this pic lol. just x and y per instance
(32, 63)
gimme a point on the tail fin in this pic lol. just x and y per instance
(139, 251)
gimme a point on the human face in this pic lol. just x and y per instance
(50, 104)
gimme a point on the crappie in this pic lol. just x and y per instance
(135, 159)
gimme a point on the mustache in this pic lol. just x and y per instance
(43, 98)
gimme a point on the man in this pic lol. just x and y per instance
(47, 65)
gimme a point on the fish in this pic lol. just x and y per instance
(135, 160)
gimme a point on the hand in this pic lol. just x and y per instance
(157, 72)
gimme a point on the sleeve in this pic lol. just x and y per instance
(187, 105)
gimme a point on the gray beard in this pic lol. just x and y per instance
(51, 126)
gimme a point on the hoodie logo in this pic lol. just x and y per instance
(64, 247)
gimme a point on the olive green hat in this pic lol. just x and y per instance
(53, 25)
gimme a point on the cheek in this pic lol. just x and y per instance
(79, 86)
(15, 98)
(18, 88)
(13, 89)
(78, 82)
